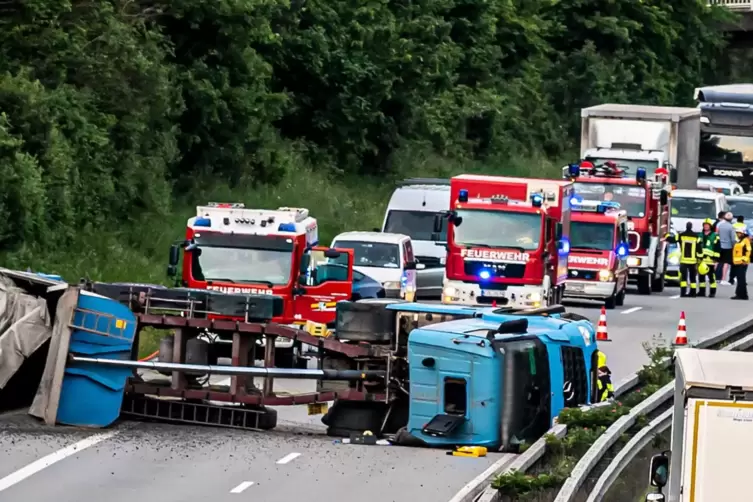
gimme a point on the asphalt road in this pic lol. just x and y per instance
(182, 463)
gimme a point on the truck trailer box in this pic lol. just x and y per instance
(641, 132)
(712, 427)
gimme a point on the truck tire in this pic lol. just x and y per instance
(621, 298)
(644, 284)
(657, 284)
(611, 302)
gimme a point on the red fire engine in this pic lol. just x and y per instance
(507, 242)
(646, 202)
(232, 249)
(597, 265)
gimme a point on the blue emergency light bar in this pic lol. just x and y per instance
(592, 206)
(286, 227)
(463, 195)
(537, 199)
(202, 222)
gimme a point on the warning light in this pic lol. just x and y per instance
(484, 275)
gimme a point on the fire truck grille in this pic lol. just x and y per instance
(583, 275)
(510, 270)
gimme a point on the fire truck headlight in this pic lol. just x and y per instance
(634, 262)
(484, 274)
(605, 275)
(534, 297)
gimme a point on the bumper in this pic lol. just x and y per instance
(639, 265)
(589, 289)
(463, 293)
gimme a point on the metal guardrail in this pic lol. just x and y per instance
(735, 5)
(645, 435)
(597, 451)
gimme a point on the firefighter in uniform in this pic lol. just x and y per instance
(690, 252)
(741, 255)
(604, 383)
(709, 259)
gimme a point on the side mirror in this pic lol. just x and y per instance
(673, 176)
(332, 253)
(658, 474)
(174, 257)
(172, 271)
(305, 263)
(438, 223)
(664, 198)
(420, 266)
(411, 265)
(558, 231)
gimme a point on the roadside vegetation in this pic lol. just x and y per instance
(117, 117)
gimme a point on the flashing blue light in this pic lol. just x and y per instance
(575, 200)
(463, 195)
(286, 227)
(564, 246)
(202, 222)
(608, 204)
(573, 170)
(622, 250)
(537, 200)
(640, 174)
(484, 274)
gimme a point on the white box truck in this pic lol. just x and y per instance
(712, 430)
(643, 136)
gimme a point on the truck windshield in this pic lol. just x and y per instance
(631, 198)
(242, 265)
(498, 229)
(598, 236)
(742, 208)
(372, 254)
(418, 225)
(726, 149)
(629, 166)
(699, 209)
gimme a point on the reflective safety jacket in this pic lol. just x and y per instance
(606, 389)
(709, 247)
(741, 252)
(691, 249)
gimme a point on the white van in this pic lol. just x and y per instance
(411, 211)
(386, 258)
(695, 206)
(727, 187)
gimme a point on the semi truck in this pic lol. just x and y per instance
(712, 430)
(726, 136)
(651, 137)
(507, 241)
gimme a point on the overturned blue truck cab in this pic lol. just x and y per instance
(499, 378)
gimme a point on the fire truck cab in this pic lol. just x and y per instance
(507, 241)
(646, 202)
(232, 249)
(597, 265)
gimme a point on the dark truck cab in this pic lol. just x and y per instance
(726, 149)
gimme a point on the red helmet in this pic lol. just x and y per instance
(585, 164)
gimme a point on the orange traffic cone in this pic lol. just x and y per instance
(681, 338)
(601, 329)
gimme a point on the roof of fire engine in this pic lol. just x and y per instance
(682, 193)
(715, 369)
(510, 180)
(383, 237)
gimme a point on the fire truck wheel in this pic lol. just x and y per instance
(345, 417)
(644, 284)
(611, 302)
(657, 284)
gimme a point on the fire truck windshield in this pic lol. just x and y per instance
(498, 229)
(372, 254)
(629, 166)
(597, 236)
(241, 265)
(631, 198)
(418, 225)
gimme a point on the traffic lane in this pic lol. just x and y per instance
(175, 463)
(653, 319)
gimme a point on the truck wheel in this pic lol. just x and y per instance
(644, 284)
(611, 302)
(621, 298)
(657, 284)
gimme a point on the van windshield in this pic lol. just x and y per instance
(498, 229)
(372, 254)
(418, 225)
(698, 209)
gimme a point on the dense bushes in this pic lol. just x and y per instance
(110, 108)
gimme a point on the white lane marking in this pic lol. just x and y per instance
(242, 487)
(630, 311)
(674, 297)
(54, 457)
(288, 458)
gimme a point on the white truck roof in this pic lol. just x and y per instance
(641, 112)
(696, 194)
(383, 237)
(715, 369)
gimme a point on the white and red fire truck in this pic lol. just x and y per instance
(597, 266)
(646, 202)
(233, 249)
(508, 241)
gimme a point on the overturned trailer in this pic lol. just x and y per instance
(433, 374)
